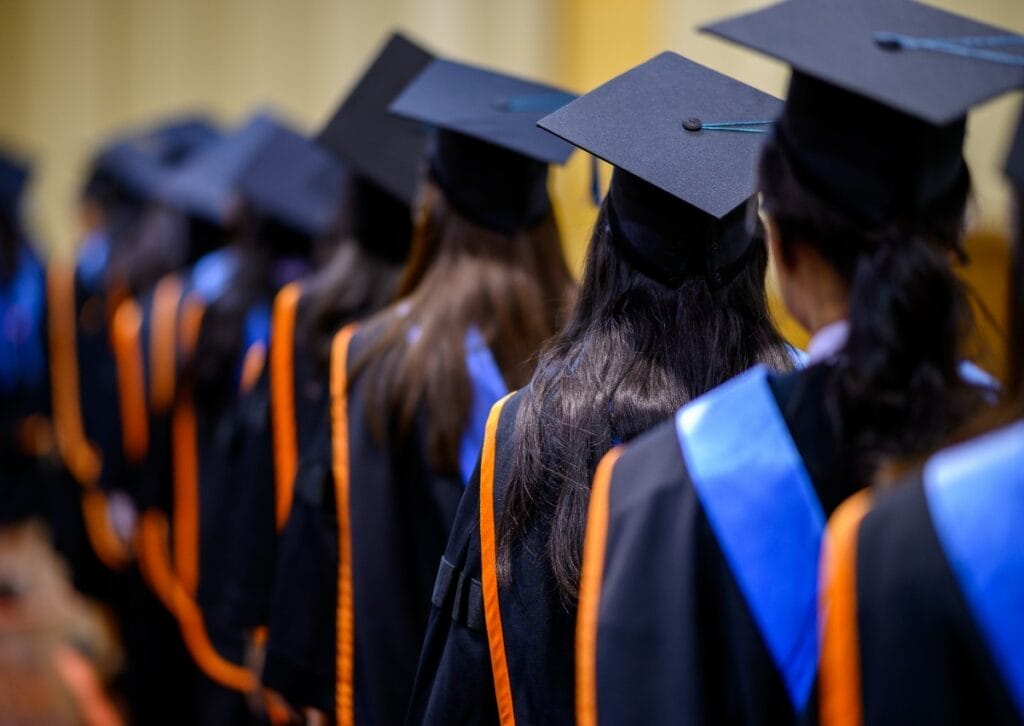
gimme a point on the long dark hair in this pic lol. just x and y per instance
(219, 346)
(634, 350)
(511, 287)
(359, 265)
(896, 392)
(168, 241)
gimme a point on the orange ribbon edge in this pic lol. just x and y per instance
(839, 679)
(282, 399)
(345, 616)
(488, 566)
(591, 574)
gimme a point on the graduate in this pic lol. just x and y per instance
(410, 387)
(672, 303)
(25, 433)
(124, 179)
(698, 596)
(358, 278)
(923, 593)
(278, 192)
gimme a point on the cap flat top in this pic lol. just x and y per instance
(834, 40)
(494, 107)
(206, 183)
(372, 142)
(635, 122)
(294, 181)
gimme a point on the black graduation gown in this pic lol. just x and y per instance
(487, 664)
(356, 560)
(934, 610)
(27, 474)
(666, 633)
(87, 428)
(282, 418)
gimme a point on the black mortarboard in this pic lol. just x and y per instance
(293, 181)
(488, 156)
(13, 177)
(876, 110)
(138, 163)
(1015, 160)
(684, 141)
(372, 142)
(206, 185)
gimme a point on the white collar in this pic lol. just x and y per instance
(828, 341)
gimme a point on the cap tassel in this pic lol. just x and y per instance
(595, 181)
(966, 47)
(694, 124)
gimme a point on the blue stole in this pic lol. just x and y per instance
(22, 359)
(975, 494)
(488, 387)
(765, 514)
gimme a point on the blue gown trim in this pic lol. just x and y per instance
(765, 513)
(488, 387)
(22, 302)
(212, 273)
(975, 494)
(91, 260)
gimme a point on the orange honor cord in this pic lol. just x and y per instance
(282, 399)
(79, 455)
(125, 330)
(590, 590)
(344, 685)
(154, 561)
(252, 367)
(162, 335)
(839, 687)
(489, 574)
(184, 444)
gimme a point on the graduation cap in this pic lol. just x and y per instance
(487, 154)
(138, 163)
(875, 115)
(371, 142)
(1015, 160)
(294, 181)
(13, 178)
(206, 185)
(684, 141)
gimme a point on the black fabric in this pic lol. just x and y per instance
(454, 683)
(1015, 158)
(400, 516)
(866, 158)
(676, 639)
(670, 240)
(922, 657)
(379, 221)
(492, 186)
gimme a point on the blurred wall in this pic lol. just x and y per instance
(72, 71)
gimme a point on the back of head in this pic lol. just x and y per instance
(649, 332)
(509, 285)
(887, 215)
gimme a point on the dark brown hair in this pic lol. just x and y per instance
(897, 392)
(634, 350)
(511, 287)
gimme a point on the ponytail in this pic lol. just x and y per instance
(897, 392)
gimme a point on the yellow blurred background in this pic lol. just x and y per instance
(74, 71)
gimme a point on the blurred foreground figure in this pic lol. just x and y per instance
(26, 438)
(699, 593)
(56, 653)
(925, 597)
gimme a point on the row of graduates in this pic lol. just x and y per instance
(323, 480)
